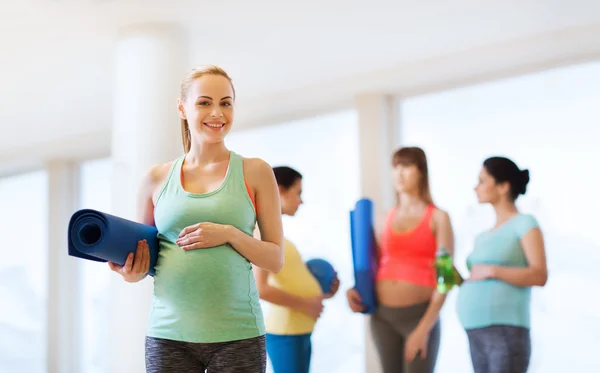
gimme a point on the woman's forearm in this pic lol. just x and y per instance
(518, 276)
(281, 298)
(432, 313)
(263, 254)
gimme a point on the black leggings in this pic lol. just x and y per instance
(243, 356)
(500, 349)
(390, 327)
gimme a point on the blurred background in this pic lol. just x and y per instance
(331, 88)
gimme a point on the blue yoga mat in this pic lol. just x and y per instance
(101, 237)
(363, 252)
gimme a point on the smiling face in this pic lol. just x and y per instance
(207, 105)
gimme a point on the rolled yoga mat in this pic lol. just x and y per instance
(101, 237)
(363, 252)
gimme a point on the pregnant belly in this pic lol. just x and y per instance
(392, 293)
(199, 278)
(490, 293)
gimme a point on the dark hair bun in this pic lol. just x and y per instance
(503, 170)
(523, 181)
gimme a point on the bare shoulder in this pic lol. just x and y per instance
(256, 170)
(256, 165)
(157, 173)
(441, 215)
(380, 217)
(154, 177)
(441, 218)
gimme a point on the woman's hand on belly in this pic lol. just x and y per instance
(313, 306)
(202, 236)
(481, 272)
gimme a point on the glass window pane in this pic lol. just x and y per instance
(546, 122)
(23, 273)
(95, 193)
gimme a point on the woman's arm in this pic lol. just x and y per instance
(136, 266)
(148, 192)
(445, 239)
(379, 225)
(535, 274)
(416, 343)
(267, 252)
(311, 306)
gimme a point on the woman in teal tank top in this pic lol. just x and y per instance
(493, 304)
(205, 204)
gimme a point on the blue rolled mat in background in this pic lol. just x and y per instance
(101, 237)
(363, 252)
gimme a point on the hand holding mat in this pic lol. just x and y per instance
(101, 237)
(363, 252)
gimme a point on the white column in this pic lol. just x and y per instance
(63, 316)
(378, 138)
(150, 63)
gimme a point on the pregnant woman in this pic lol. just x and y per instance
(507, 260)
(205, 204)
(405, 325)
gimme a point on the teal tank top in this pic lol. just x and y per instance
(204, 295)
(493, 302)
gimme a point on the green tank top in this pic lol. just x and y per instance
(204, 295)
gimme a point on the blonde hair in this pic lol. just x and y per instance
(415, 156)
(192, 75)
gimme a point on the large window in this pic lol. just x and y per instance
(548, 123)
(323, 149)
(23, 273)
(95, 193)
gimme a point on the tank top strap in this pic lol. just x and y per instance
(429, 213)
(236, 172)
(390, 218)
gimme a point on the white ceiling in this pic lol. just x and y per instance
(56, 56)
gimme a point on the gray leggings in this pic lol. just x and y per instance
(500, 349)
(243, 356)
(390, 327)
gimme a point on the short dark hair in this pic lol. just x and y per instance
(286, 176)
(504, 170)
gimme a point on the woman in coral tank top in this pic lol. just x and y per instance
(405, 325)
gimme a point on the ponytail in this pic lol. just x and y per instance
(185, 136)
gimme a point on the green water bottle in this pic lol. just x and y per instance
(445, 271)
